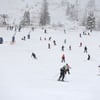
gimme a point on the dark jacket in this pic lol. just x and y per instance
(63, 71)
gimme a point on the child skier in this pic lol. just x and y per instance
(63, 58)
(68, 69)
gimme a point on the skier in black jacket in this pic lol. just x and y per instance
(63, 71)
(62, 74)
(88, 57)
(33, 55)
(85, 49)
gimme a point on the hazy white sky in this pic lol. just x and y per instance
(6, 5)
(83, 3)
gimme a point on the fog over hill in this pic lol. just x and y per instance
(16, 9)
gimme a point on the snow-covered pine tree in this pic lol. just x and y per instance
(4, 17)
(98, 24)
(26, 18)
(89, 12)
(44, 18)
(91, 22)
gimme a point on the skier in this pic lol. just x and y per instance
(63, 58)
(80, 44)
(88, 33)
(99, 69)
(45, 31)
(63, 71)
(1, 40)
(49, 38)
(13, 39)
(70, 47)
(23, 38)
(62, 47)
(32, 28)
(85, 49)
(28, 36)
(40, 38)
(19, 29)
(54, 42)
(34, 55)
(88, 57)
(64, 41)
(68, 68)
(84, 33)
(64, 31)
(49, 46)
(62, 74)
(80, 35)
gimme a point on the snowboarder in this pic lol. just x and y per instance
(34, 55)
(63, 58)
(63, 71)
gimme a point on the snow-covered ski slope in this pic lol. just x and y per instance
(25, 78)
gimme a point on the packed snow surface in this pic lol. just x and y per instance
(24, 78)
